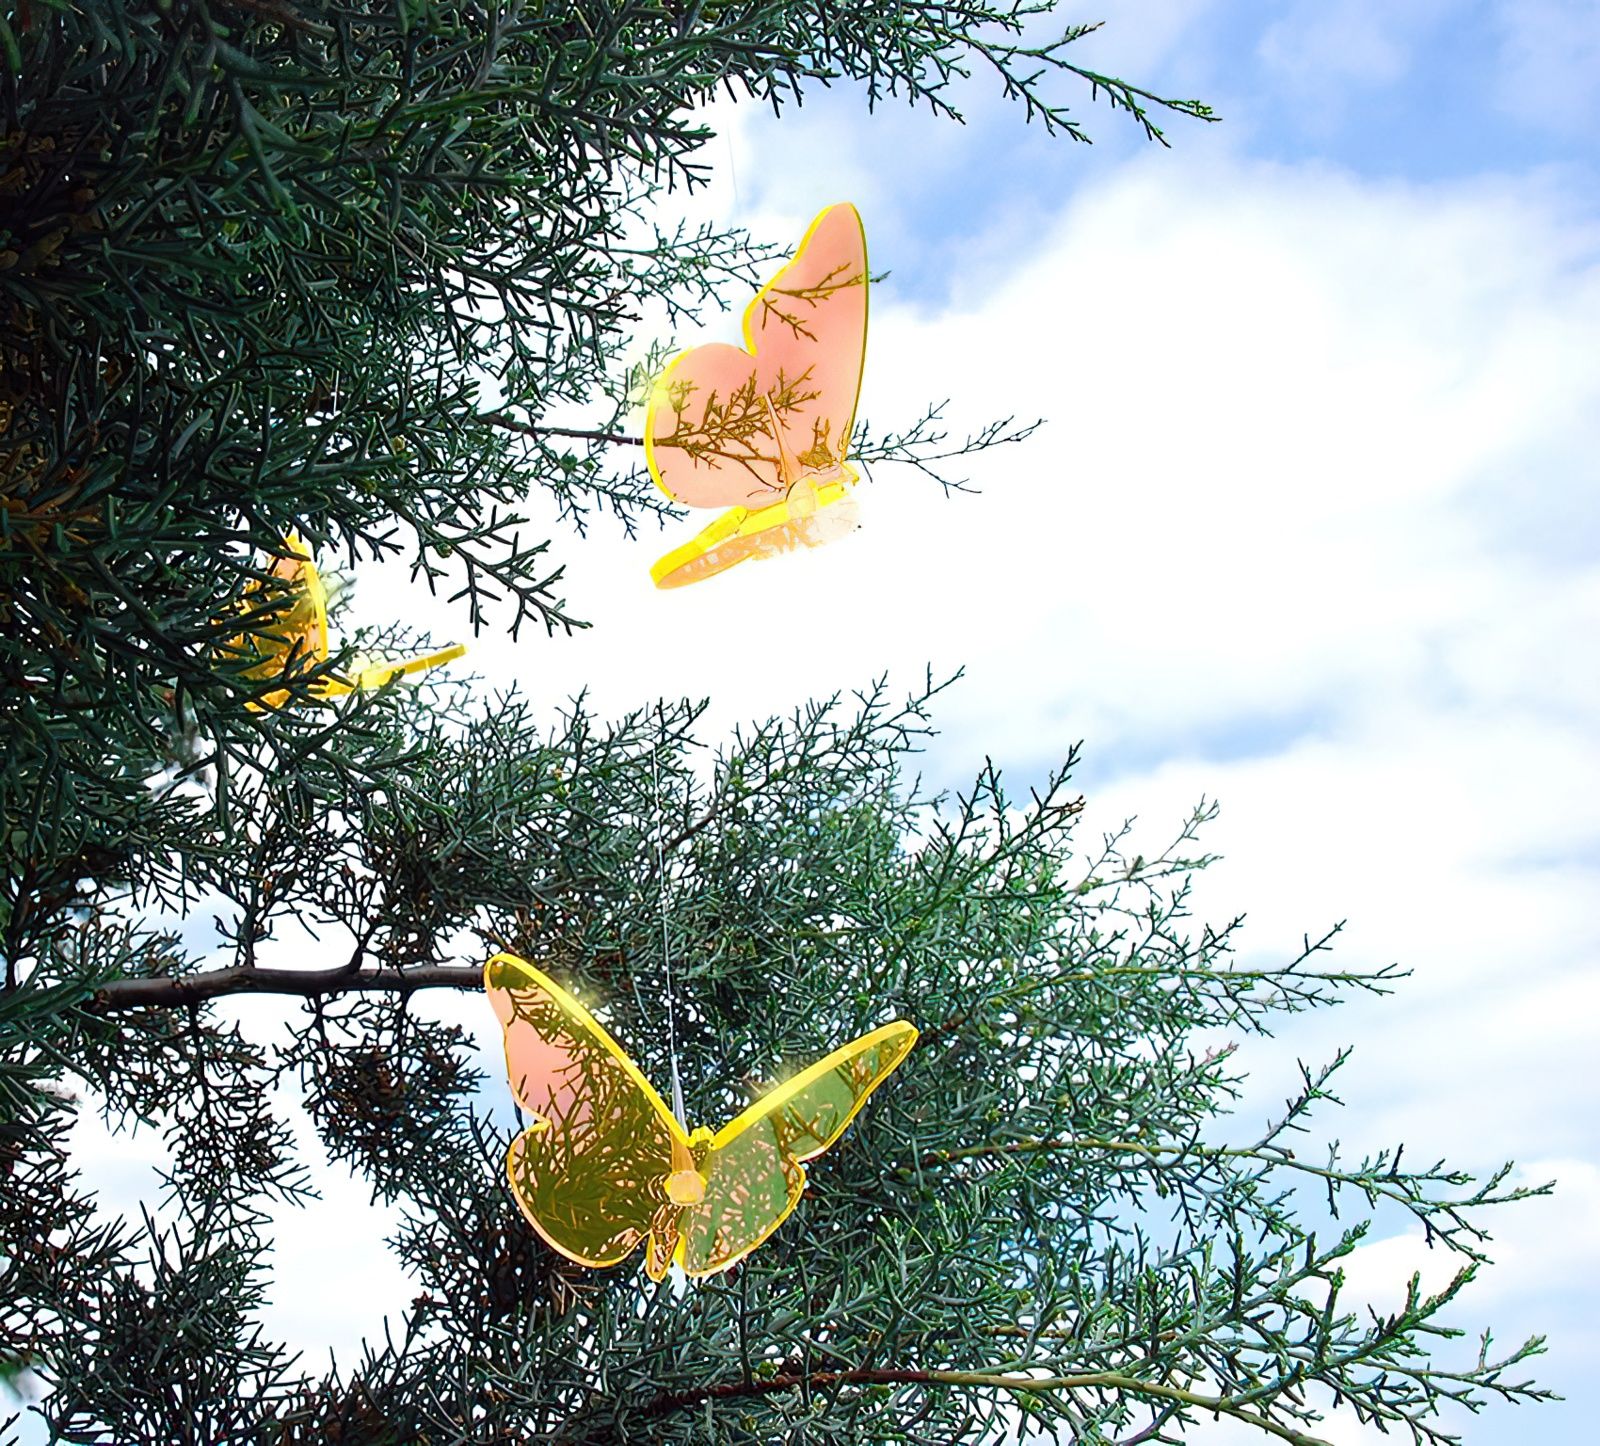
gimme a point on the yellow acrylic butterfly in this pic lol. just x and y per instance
(607, 1165)
(299, 636)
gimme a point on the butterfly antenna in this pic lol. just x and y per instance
(661, 895)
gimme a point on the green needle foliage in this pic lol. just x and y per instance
(368, 272)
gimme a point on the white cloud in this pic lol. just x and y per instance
(334, 1280)
(1288, 417)
(1322, 48)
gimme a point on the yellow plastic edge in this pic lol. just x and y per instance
(736, 522)
(585, 1021)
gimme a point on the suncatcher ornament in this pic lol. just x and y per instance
(606, 1164)
(299, 636)
(764, 429)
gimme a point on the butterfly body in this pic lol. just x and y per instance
(606, 1165)
(764, 430)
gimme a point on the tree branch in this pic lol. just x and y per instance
(513, 424)
(184, 990)
(984, 1380)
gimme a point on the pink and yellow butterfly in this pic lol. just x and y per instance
(764, 429)
(299, 636)
(606, 1164)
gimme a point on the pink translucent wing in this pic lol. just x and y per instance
(808, 330)
(733, 427)
(590, 1173)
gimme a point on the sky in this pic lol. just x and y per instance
(1313, 529)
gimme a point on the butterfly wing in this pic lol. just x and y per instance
(807, 328)
(301, 629)
(367, 673)
(754, 1169)
(589, 1173)
(298, 634)
(748, 428)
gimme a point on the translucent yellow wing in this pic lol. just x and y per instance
(298, 635)
(365, 673)
(591, 1172)
(754, 1169)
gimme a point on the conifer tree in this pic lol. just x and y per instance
(257, 260)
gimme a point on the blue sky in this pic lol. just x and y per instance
(1313, 530)
(1410, 90)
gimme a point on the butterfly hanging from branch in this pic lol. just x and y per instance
(606, 1165)
(764, 430)
(296, 637)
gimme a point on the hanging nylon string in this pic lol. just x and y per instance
(661, 895)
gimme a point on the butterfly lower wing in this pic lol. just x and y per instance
(366, 674)
(751, 1188)
(813, 512)
(731, 427)
(754, 1169)
(589, 1172)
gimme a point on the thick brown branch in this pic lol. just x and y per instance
(184, 990)
(986, 1380)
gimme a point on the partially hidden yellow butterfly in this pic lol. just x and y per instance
(298, 636)
(606, 1165)
(764, 429)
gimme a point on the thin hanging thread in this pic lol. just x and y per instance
(661, 896)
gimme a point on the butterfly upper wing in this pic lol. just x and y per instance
(588, 1174)
(731, 427)
(298, 633)
(807, 328)
(754, 1169)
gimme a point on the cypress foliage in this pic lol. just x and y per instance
(258, 261)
